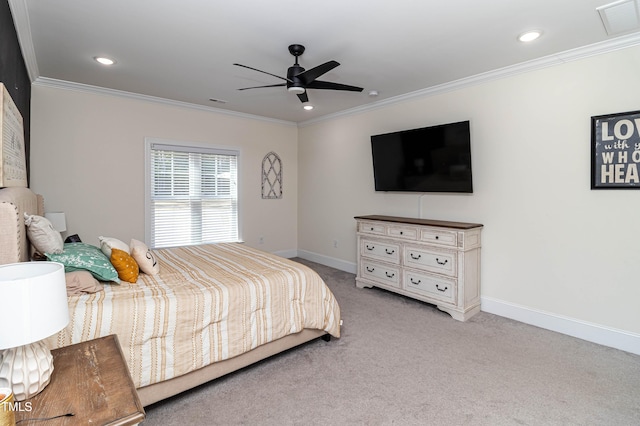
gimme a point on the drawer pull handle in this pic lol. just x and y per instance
(437, 237)
(414, 257)
(389, 275)
(415, 282)
(370, 247)
(370, 269)
(372, 229)
(442, 263)
(401, 233)
(389, 252)
(440, 289)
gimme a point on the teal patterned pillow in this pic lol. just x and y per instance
(85, 257)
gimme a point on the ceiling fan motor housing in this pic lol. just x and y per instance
(295, 85)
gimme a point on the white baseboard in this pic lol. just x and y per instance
(607, 336)
(619, 339)
(328, 261)
(286, 253)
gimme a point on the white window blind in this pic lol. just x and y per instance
(193, 195)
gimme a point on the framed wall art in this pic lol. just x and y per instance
(13, 165)
(615, 151)
(271, 176)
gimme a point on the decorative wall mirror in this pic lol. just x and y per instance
(271, 176)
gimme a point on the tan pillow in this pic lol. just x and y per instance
(79, 282)
(108, 243)
(125, 265)
(144, 257)
(41, 234)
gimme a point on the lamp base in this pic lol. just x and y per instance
(26, 369)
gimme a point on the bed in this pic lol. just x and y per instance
(211, 310)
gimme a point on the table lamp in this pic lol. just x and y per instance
(33, 306)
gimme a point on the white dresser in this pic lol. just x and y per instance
(431, 260)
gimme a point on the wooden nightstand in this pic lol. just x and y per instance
(90, 380)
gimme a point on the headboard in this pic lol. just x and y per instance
(14, 202)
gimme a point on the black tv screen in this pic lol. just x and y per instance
(429, 159)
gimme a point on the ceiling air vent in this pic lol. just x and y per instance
(620, 16)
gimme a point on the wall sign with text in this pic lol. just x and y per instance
(615, 151)
(13, 165)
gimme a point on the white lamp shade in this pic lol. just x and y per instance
(58, 220)
(33, 302)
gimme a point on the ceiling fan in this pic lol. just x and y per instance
(298, 80)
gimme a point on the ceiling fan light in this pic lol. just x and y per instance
(296, 89)
(307, 106)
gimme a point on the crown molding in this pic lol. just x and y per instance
(23, 29)
(600, 48)
(79, 87)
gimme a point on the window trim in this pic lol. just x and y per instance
(192, 147)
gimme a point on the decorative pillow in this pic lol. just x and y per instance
(79, 282)
(42, 235)
(85, 257)
(108, 243)
(125, 265)
(144, 257)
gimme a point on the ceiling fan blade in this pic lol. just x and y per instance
(332, 86)
(310, 75)
(260, 87)
(303, 97)
(264, 72)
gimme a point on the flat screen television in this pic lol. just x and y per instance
(429, 159)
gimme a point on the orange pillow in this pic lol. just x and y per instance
(125, 265)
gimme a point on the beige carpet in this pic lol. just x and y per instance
(403, 362)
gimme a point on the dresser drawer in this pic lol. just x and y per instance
(441, 237)
(384, 274)
(386, 251)
(372, 228)
(434, 260)
(430, 285)
(403, 232)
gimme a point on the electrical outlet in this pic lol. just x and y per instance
(261, 240)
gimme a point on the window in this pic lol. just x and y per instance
(192, 195)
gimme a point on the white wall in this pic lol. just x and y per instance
(87, 159)
(551, 246)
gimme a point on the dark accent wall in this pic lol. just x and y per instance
(13, 72)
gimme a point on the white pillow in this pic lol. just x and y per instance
(144, 257)
(108, 243)
(42, 235)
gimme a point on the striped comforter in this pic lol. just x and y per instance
(208, 303)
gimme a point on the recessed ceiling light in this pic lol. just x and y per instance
(104, 61)
(529, 36)
(308, 107)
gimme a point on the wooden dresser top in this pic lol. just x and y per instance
(416, 221)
